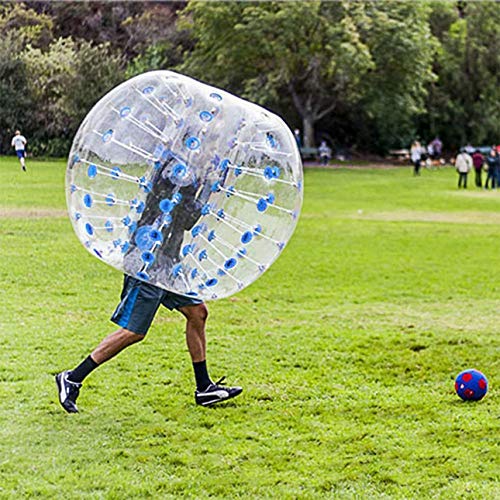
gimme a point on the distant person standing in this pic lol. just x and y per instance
(497, 148)
(416, 156)
(298, 139)
(19, 144)
(478, 162)
(463, 164)
(437, 148)
(493, 162)
(430, 152)
(325, 153)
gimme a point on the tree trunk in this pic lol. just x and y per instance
(308, 126)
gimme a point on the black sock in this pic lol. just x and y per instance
(82, 370)
(201, 375)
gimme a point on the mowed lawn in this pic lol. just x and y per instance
(347, 349)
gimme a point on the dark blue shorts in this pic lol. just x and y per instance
(20, 153)
(140, 301)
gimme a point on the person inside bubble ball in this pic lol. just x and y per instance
(172, 208)
(141, 300)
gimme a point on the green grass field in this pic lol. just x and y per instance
(347, 349)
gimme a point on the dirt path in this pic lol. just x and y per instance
(422, 216)
(380, 166)
(31, 213)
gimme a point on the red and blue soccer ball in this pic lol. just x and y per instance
(471, 385)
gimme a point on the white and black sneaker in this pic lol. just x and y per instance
(216, 393)
(68, 392)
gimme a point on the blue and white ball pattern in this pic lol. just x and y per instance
(183, 185)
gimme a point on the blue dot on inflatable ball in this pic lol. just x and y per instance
(87, 201)
(148, 257)
(192, 143)
(166, 206)
(471, 385)
(206, 116)
(246, 237)
(143, 238)
(92, 171)
(262, 205)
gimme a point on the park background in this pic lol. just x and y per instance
(347, 347)
(365, 76)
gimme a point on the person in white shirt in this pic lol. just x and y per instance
(325, 153)
(19, 143)
(463, 164)
(416, 151)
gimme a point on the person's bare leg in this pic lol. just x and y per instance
(207, 392)
(113, 344)
(108, 348)
(69, 382)
(196, 318)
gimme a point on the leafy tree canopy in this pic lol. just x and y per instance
(310, 50)
(368, 74)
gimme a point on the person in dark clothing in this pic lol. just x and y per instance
(437, 147)
(478, 162)
(493, 161)
(171, 208)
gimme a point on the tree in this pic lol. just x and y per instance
(47, 86)
(25, 25)
(309, 50)
(53, 72)
(372, 73)
(19, 27)
(68, 78)
(97, 69)
(129, 27)
(15, 101)
(395, 90)
(162, 43)
(94, 21)
(464, 103)
(154, 29)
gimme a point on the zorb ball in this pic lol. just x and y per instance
(183, 185)
(471, 385)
